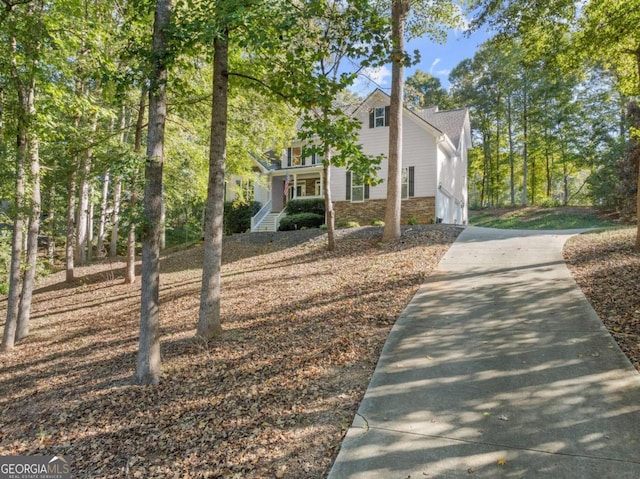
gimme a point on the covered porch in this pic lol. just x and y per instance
(290, 184)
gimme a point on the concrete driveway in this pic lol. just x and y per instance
(498, 368)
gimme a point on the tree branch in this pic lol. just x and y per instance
(260, 82)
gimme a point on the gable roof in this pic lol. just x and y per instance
(450, 122)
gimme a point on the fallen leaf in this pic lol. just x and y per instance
(502, 462)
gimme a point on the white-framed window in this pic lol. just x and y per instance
(300, 190)
(317, 189)
(405, 183)
(407, 186)
(357, 189)
(294, 156)
(378, 116)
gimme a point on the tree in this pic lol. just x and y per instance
(149, 364)
(345, 32)
(423, 90)
(24, 31)
(610, 36)
(432, 19)
(209, 324)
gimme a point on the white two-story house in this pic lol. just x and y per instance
(434, 170)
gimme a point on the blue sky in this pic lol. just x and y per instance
(437, 59)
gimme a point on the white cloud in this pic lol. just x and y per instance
(370, 78)
(377, 75)
(433, 65)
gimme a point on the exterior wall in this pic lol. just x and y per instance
(422, 209)
(277, 197)
(451, 198)
(419, 151)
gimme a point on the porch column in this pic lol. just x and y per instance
(295, 186)
(321, 183)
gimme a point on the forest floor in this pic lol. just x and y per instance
(274, 396)
(606, 266)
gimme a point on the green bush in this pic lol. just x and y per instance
(412, 221)
(301, 220)
(311, 205)
(377, 223)
(348, 224)
(237, 216)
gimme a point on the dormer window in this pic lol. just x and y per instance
(294, 156)
(379, 117)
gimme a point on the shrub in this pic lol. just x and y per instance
(412, 221)
(237, 216)
(377, 223)
(311, 205)
(348, 224)
(301, 220)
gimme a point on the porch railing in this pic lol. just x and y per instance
(260, 215)
(279, 217)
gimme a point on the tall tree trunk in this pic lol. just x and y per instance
(13, 299)
(71, 226)
(525, 139)
(90, 225)
(25, 99)
(28, 283)
(393, 209)
(115, 217)
(512, 189)
(51, 223)
(565, 175)
(209, 322)
(103, 214)
(328, 203)
(130, 272)
(497, 189)
(636, 151)
(148, 366)
(130, 269)
(83, 207)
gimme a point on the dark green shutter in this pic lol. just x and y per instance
(366, 192)
(387, 109)
(289, 156)
(412, 181)
(372, 118)
(348, 186)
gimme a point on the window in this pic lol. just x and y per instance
(300, 190)
(317, 189)
(294, 156)
(408, 181)
(356, 190)
(378, 117)
(405, 182)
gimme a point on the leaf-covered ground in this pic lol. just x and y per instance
(272, 398)
(607, 267)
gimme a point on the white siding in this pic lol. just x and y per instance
(419, 151)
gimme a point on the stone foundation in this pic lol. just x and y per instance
(422, 209)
